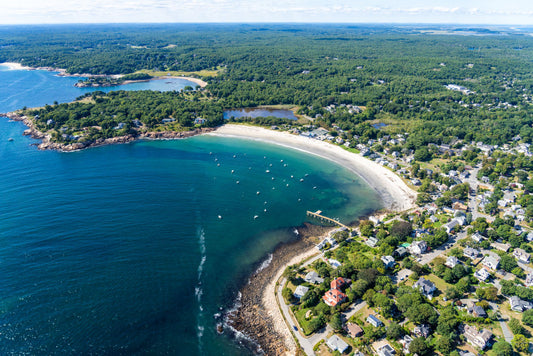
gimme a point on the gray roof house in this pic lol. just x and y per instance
(477, 338)
(521, 255)
(519, 305)
(529, 280)
(300, 291)
(482, 274)
(388, 261)
(372, 320)
(372, 241)
(477, 311)
(425, 287)
(336, 343)
(312, 277)
(471, 252)
(386, 350)
(450, 226)
(491, 261)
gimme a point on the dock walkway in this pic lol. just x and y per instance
(318, 215)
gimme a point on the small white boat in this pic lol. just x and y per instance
(234, 156)
(258, 192)
(272, 178)
(301, 179)
(10, 139)
(267, 171)
(218, 164)
(314, 187)
(220, 217)
(232, 171)
(256, 216)
(237, 182)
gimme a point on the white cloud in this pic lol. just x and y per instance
(72, 11)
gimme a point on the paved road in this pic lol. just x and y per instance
(507, 334)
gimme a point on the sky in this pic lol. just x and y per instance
(507, 12)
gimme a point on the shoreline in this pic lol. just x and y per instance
(395, 194)
(266, 323)
(258, 315)
(63, 73)
(46, 144)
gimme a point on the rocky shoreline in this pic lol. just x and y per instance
(47, 144)
(252, 317)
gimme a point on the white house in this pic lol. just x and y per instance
(388, 261)
(521, 255)
(300, 291)
(335, 343)
(312, 277)
(470, 252)
(418, 247)
(452, 261)
(491, 261)
(482, 274)
(372, 320)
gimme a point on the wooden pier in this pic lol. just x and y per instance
(318, 215)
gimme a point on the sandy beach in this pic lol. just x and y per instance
(395, 194)
(14, 66)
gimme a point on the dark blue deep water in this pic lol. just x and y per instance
(120, 249)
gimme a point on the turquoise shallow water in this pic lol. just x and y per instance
(120, 249)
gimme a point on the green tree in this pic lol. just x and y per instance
(515, 326)
(336, 322)
(394, 331)
(527, 317)
(502, 348)
(520, 343)
(445, 345)
(366, 227)
(419, 346)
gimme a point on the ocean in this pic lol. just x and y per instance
(135, 248)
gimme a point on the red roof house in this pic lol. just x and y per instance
(334, 297)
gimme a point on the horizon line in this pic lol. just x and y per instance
(268, 23)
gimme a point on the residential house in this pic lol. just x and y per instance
(335, 343)
(471, 253)
(521, 255)
(477, 338)
(422, 331)
(354, 330)
(405, 342)
(372, 241)
(339, 283)
(166, 121)
(372, 320)
(300, 291)
(418, 247)
(386, 350)
(400, 252)
(425, 287)
(477, 311)
(519, 305)
(312, 277)
(482, 274)
(388, 261)
(501, 246)
(491, 261)
(334, 297)
(451, 226)
(199, 121)
(334, 263)
(452, 261)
